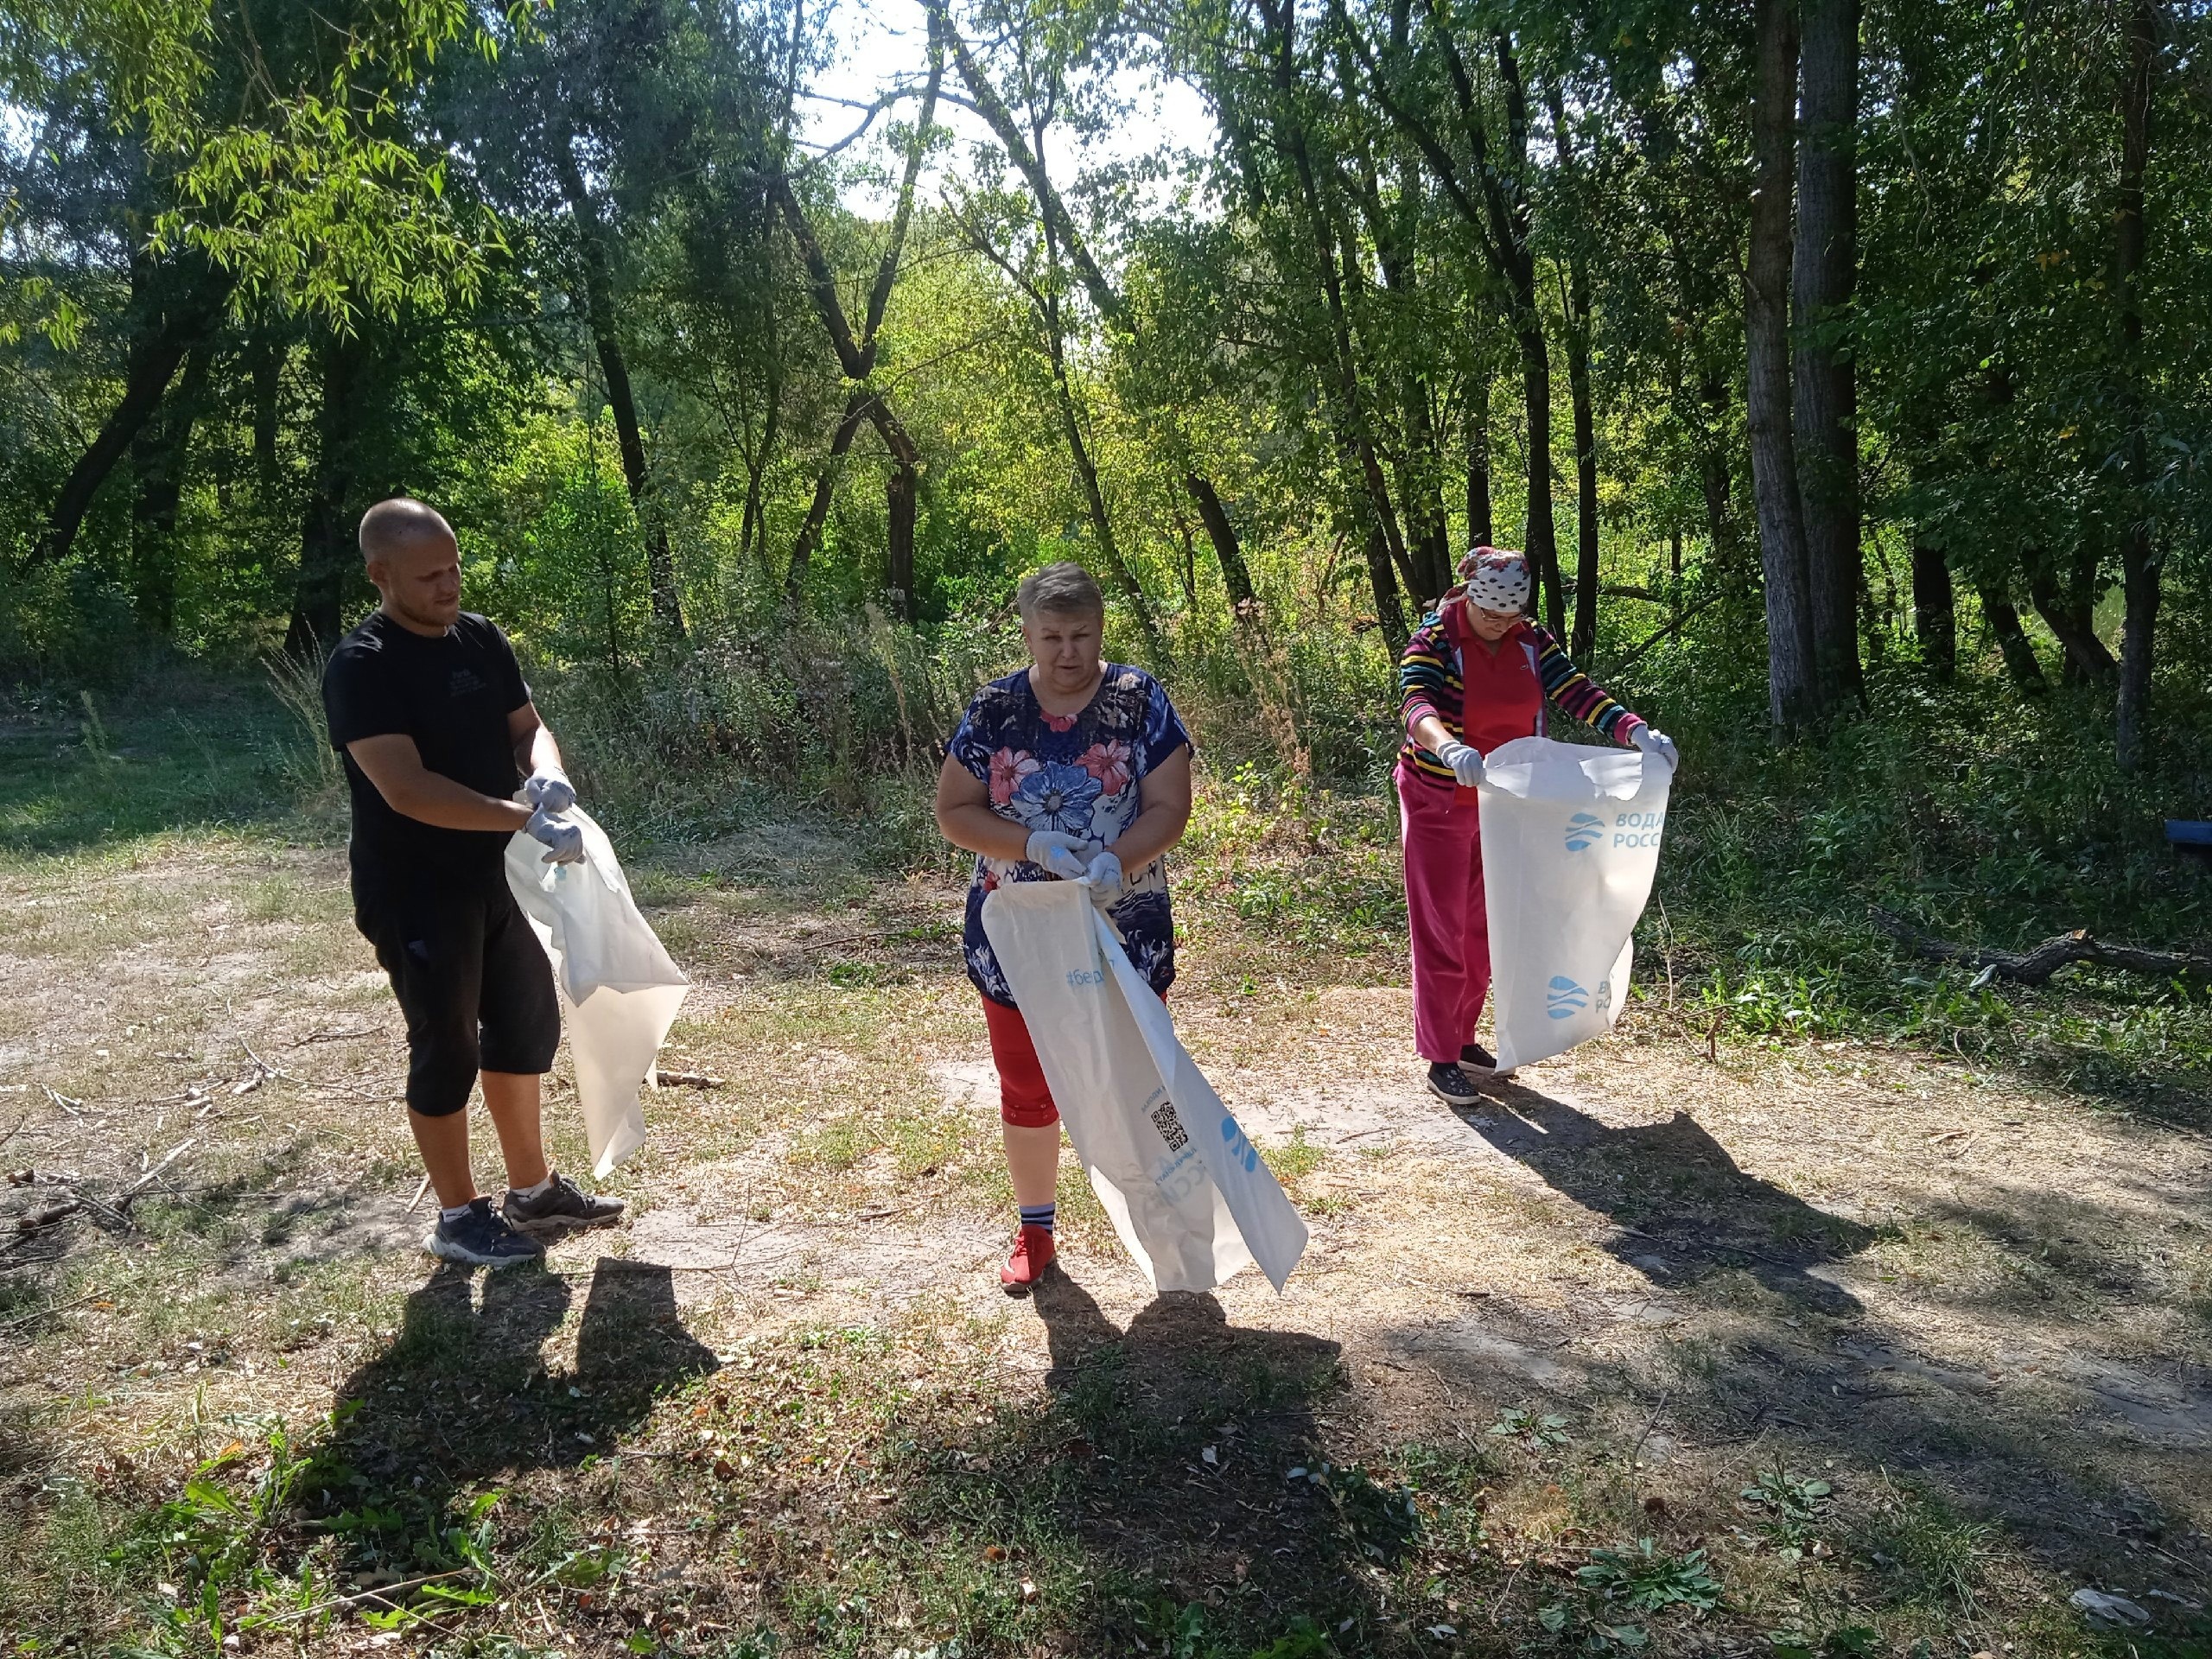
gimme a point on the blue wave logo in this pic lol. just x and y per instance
(1583, 831)
(1240, 1150)
(1565, 999)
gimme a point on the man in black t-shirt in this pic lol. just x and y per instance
(427, 708)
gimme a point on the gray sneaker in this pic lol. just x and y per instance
(561, 1207)
(482, 1238)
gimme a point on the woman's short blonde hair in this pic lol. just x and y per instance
(1063, 590)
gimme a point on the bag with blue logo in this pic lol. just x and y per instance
(1570, 843)
(1186, 1190)
(621, 987)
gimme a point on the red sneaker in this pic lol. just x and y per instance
(1033, 1253)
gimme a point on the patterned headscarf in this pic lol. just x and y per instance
(1496, 578)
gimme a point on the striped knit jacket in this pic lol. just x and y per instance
(1431, 681)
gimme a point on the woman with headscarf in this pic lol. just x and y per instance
(1477, 673)
(1073, 768)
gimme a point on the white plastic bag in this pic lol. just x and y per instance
(1570, 843)
(1186, 1190)
(622, 989)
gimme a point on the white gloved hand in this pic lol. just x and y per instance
(566, 839)
(1057, 854)
(1465, 760)
(549, 789)
(1658, 744)
(1106, 878)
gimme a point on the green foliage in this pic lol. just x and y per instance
(1646, 1580)
(1537, 1433)
(1791, 1507)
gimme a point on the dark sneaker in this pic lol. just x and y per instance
(482, 1238)
(561, 1207)
(1479, 1061)
(1451, 1085)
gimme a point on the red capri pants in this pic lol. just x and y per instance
(1025, 1101)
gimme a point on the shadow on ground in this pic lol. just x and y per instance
(1684, 1207)
(462, 1395)
(1149, 1478)
(2089, 1463)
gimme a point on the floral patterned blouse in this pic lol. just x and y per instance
(1076, 773)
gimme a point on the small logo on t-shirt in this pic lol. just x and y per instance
(464, 682)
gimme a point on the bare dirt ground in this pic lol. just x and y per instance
(1968, 1321)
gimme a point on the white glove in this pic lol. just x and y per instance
(548, 790)
(1658, 744)
(1106, 879)
(1465, 760)
(566, 839)
(1057, 854)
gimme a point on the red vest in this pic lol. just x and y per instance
(1504, 695)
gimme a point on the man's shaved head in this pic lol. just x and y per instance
(414, 563)
(392, 526)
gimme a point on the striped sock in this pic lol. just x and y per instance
(1038, 1215)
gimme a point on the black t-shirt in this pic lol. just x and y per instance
(452, 695)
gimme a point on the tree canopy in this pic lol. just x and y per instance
(1822, 331)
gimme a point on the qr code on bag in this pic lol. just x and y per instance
(1170, 1126)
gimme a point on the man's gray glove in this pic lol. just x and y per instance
(1660, 745)
(1465, 760)
(549, 789)
(1106, 878)
(1057, 854)
(564, 838)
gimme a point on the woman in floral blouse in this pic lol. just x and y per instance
(1072, 768)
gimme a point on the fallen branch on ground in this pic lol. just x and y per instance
(388, 1593)
(688, 1080)
(38, 1313)
(47, 1214)
(130, 1194)
(2037, 966)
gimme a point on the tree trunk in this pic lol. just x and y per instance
(268, 382)
(825, 487)
(599, 306)
(176, 309)
(1585, 466)
(2139, 563)
(1825, 391)
(158, 463)
(1236, 574)
(1578, 382)
(1428, 540)
(1389, 614)
(1540, 535)
(1793, 699)
(1479, 528)
(1935, 612)
(328, 555)
(1542, 539)
(901, 495)
(1714, 476)
(905, 487)
(2071, 614)
(2019, 652)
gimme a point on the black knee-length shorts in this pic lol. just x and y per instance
(472, 979)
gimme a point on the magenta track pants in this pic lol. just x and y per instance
(1443, 846)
